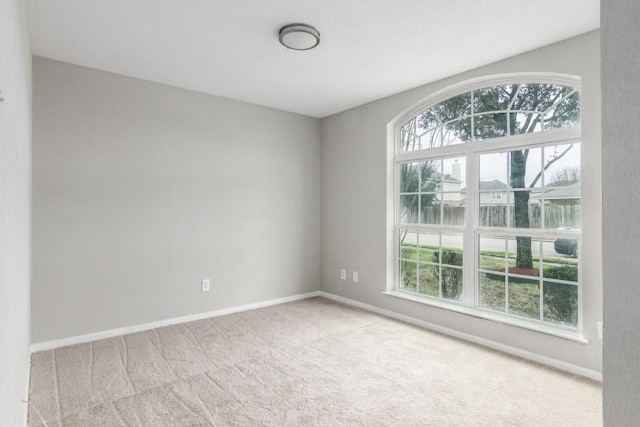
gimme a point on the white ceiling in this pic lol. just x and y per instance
(369, 48)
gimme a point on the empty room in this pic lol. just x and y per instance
(338, 213)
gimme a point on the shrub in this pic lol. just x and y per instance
(561, 300)
(451, 278)
(563, 272)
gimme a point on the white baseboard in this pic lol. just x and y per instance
(25, 409)
(558, 364)
(555, 363)
(79, 339)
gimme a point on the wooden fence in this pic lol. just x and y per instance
(555, 216)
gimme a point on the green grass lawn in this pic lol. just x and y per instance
(421, 274)
(560, 301)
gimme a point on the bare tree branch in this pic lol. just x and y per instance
(552, 161)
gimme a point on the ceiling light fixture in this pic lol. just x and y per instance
(299, 36)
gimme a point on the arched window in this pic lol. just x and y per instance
(487, 201)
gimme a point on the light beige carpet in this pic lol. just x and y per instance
(311, 362)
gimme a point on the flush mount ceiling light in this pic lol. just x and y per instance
(299, 36)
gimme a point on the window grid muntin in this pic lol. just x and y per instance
(542, 189)
(540, 239)
(440, 264)
(413, 121)
(440, 196)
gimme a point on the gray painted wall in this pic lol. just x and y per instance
(15, 200)
(141, 190)
(620, 178)
(354, 197)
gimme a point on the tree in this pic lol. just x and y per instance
(509, 109)
(565, 176)
(518, 161)
(414, 177)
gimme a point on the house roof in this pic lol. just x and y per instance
(495, 185)
(571, 191)
(446, 177)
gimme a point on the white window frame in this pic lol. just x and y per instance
(471, 230)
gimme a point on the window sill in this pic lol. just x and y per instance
(565, 333)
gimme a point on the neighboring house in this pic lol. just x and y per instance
(451, 194)
(559, 196)
(491, 193)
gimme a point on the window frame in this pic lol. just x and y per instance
(471, 231)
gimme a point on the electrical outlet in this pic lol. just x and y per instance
(206, 285)
(343, 274)
(355, 277)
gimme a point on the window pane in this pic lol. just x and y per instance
(453, 108)
(430, 209)
(564, 114)
(408, 138)
(493, 172)
(539, 96)
(451, 133)
(408, 275)
(492, 291)
(525, 122)
(408, 245)
(490, 126)
(429, 285)
(492, 254)
(493, 214)
(561, 303)
(452, 184)
(409, 177)
(524, 256)
(525, 168)
(524, 297)
(493, 190)
(558, 253)
(496, 98)
(453, 213)
(409, 209)
(429, 245)
(456, 132)
(523, 214)
(561, 198)
(560, 268)
(451, 282)
(430, 138)
(438, 267)
(427, 120)
(563, 166)
(561, 215)
(430, 175)
(451, 250)
(454, 172)
(566, 247)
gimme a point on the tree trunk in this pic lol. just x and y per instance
(524, 258)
